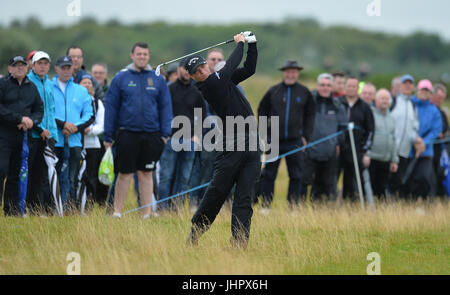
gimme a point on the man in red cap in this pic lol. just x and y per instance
(29, 59)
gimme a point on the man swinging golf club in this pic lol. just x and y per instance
(231, 167)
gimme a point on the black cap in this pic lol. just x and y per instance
(173, 67)
(291, 64)
(17, 59)
(193, 62)
(63, 61)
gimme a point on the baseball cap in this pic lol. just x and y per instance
(405, 78)
(193, 62)
(63, 61)
(17, 59)
(173, 67)
(40, 55)
(31, 54)
(425, 84)
(87, 76)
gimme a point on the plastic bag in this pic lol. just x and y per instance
(106, 169)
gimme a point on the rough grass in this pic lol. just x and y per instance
(319, 239)
(315, 239)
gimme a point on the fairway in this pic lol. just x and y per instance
(410, 238)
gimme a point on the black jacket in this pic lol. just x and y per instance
(17, 101)
(361, 115)
(186, 97)
(330, 118)
(220, 90)
(294, 105)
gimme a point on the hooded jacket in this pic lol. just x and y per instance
(75, 106)
(430, 125)
(45, 88)
(384, 147)
(138, 101)
(406, 124)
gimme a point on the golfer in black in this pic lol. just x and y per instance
(230, 167)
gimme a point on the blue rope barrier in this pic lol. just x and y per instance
(326, 138)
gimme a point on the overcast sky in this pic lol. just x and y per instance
(397, 16)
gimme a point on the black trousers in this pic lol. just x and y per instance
(422, 180)
(379, 176)
(10, 159)
(96, 191)
(395, 179)
(321, 176)
(38, 197)
(230, 168)
(294, 164)
(347, 165)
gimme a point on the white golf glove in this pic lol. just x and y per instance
(249, 37)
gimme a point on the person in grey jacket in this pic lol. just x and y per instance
(383, 153)
(406, 131)
(321, 159)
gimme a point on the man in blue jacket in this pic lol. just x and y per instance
(138, 115)
(421, 181)
(73, 108)
(45, 133)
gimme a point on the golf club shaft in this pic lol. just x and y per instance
(201, 50)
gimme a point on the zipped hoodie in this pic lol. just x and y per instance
(430, 125)
(45, 88)
(406, 125)
(138, 101)
(75, 106)
(384, 147)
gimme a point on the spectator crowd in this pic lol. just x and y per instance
(399, 135)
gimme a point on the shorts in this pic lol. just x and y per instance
(137, 151)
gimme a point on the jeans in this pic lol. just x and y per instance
(72, 174)
(63, 176)
(202, 172)
(174, 174)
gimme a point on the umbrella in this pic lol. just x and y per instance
(23, 175)
(51, 160)
(81, 189)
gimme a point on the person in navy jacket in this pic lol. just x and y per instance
(138, 116)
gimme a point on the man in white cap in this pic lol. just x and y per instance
(46, 133)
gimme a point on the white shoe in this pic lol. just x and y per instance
(265, 211)
(153, 214)
(117, 215)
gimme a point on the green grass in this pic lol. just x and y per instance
(318, 239)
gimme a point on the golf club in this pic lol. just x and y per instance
(158, 68)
